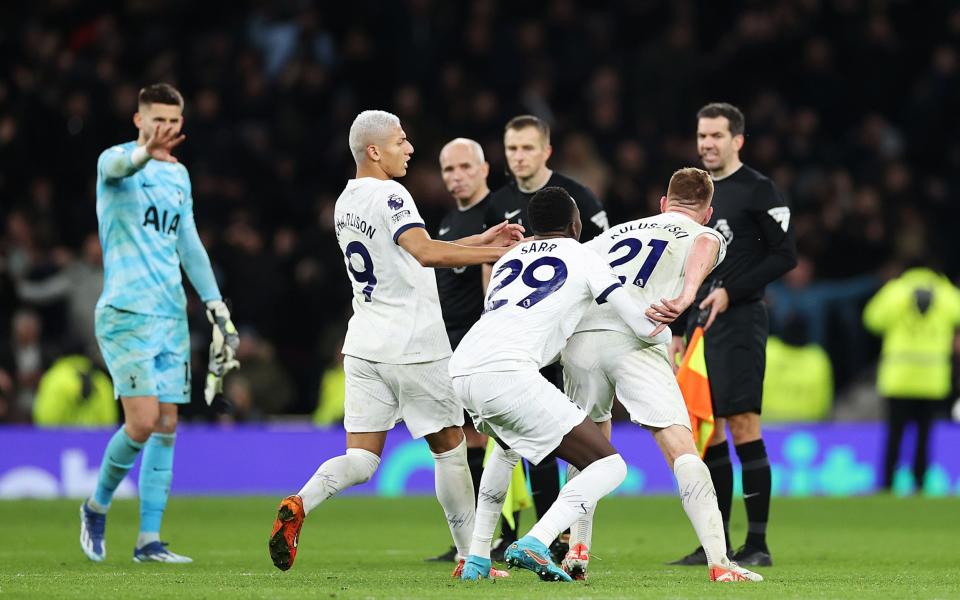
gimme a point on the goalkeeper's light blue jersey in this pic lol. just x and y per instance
(147, 232)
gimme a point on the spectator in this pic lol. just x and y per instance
(24, 359)
(80, 282)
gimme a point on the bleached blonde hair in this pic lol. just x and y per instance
(370, 127)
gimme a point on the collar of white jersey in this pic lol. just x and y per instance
(359, 180)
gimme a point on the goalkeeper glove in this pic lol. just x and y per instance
(223, 349)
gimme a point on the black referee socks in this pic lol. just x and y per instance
(475, 462)
(756, 491)
(545, 484)
(717, 459)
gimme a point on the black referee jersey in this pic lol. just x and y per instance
(754, 218)
(461, 289)
(510, 203)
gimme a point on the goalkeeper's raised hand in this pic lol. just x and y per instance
(223, 349)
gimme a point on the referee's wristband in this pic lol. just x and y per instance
(139, 157)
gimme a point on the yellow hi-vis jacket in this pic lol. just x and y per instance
(917, 345)
(798, 382)
(74, 392)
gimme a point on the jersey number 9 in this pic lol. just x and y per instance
(364, 275)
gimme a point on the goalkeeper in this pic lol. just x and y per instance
(147, 232)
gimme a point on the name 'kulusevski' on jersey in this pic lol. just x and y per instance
(148, 232)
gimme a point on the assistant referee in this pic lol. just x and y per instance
(754, 218)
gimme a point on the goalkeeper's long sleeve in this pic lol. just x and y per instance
(119, 162)
(194, 258)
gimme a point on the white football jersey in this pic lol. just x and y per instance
(649, 256)
(538, 293)
(396, 310)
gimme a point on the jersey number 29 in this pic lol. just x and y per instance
(541, 287)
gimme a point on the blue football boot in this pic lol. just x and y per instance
(93, 526)
(530, 553)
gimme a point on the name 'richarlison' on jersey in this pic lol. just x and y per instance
(355, 222)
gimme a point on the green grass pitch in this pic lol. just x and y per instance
(353, 547)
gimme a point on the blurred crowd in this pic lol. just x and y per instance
(851, 107)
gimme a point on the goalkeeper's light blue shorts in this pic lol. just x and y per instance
(146, 355)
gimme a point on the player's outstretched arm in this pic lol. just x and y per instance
(701, 260)
(434, 253)
(502, 234)
(632, 315)
(118, 163)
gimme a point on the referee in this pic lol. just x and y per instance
(464, 172)
(526, 142)
(755, 220)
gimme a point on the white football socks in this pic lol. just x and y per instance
(145, 538)
(579, 497)
(581, 532)
(337, 474)
(699, 500)
(494, 483)
(455, 493)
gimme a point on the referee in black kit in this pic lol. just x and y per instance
(461, 290)
(755, 220)
(526, 141)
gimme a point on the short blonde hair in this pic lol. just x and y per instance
(690, 187)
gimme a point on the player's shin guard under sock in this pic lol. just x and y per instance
(581, 532)
(545, 484)
(699, 501)
(579, 496)
(156, 473)
(337, 474)
(118, 459)
(490, 498)
(455, 493)
(756, 491)
(717, 459)
(475, 458)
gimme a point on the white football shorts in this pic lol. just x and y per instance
(599, 364)
(379, 395)
(521, 408)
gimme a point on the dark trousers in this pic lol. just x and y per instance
(901, 411)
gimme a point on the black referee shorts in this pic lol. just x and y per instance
(735, 352)
(456, 335)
